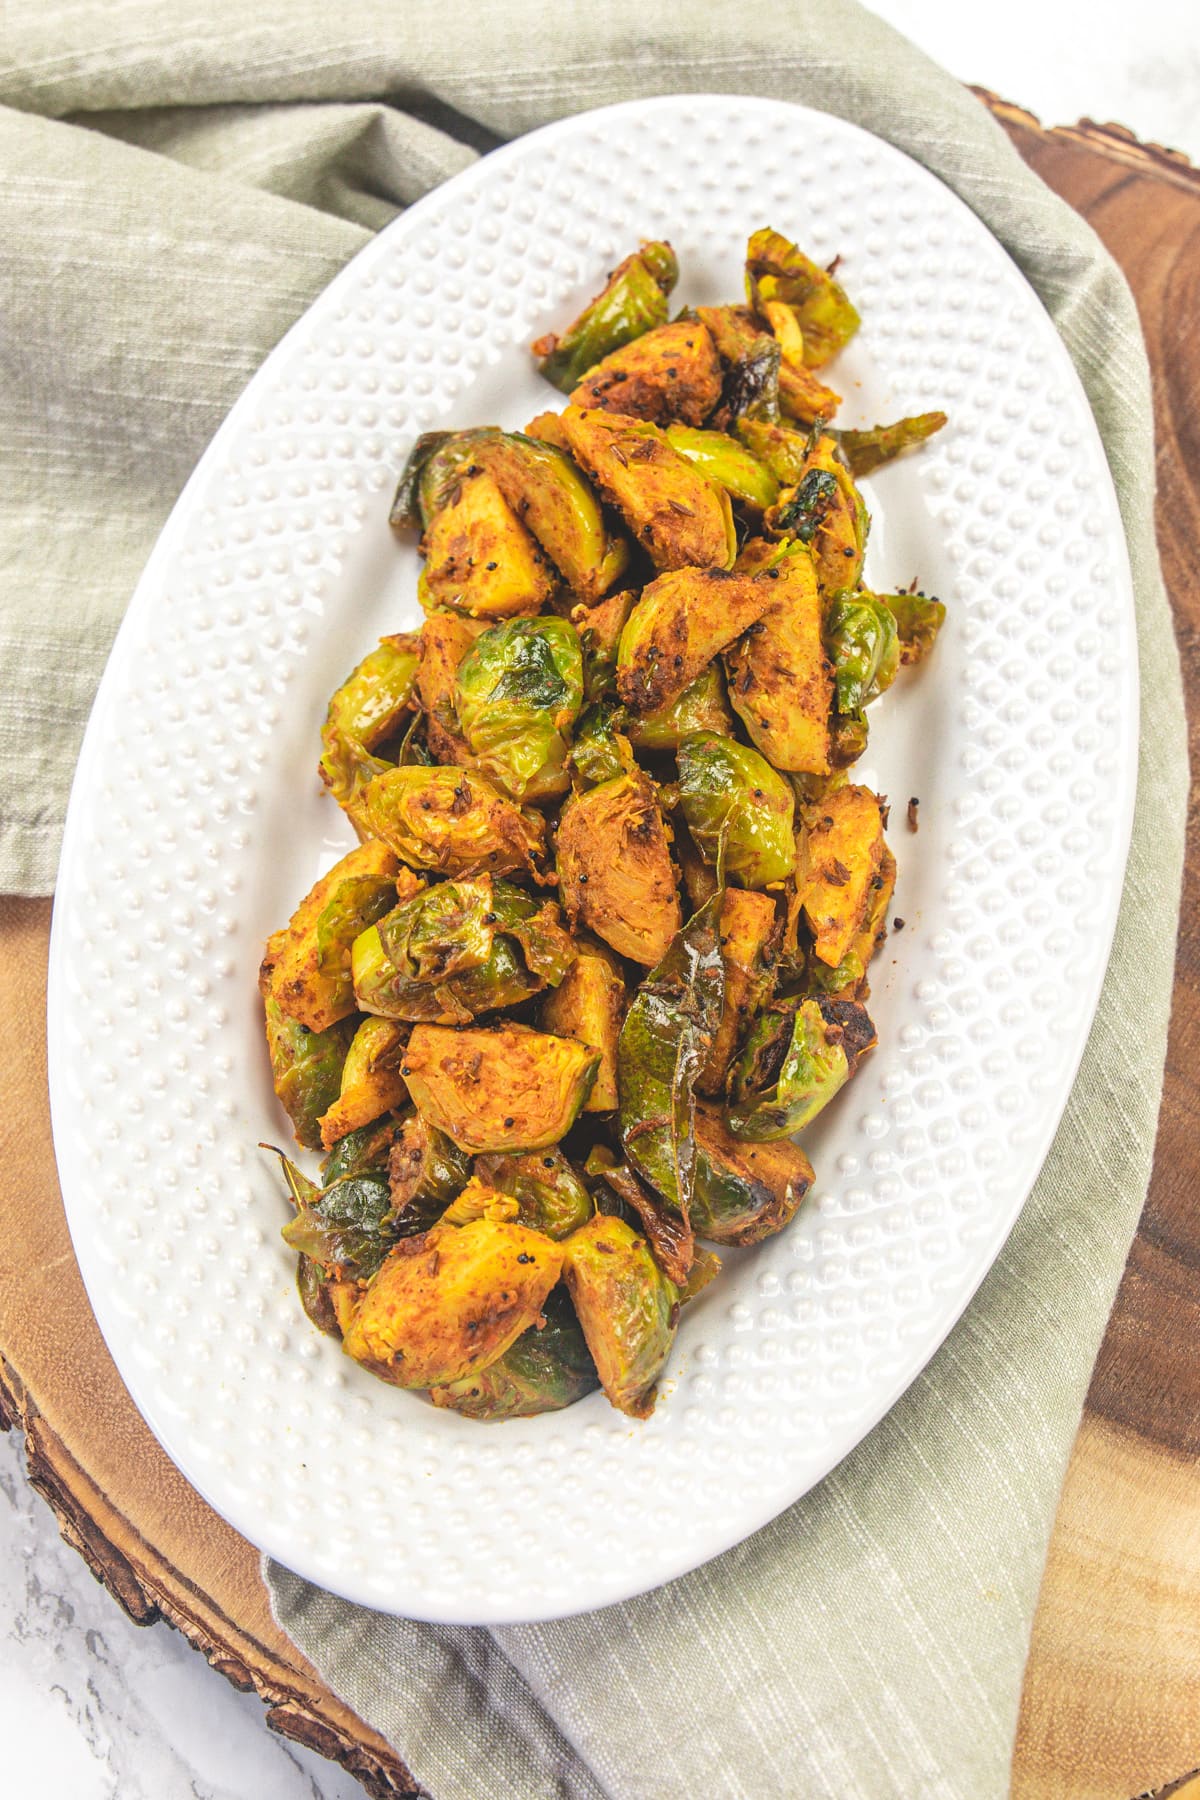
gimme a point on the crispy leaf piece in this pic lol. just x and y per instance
(633, 301)
(777, 271)
(665, 1041)
(918, 621)
(867, 450)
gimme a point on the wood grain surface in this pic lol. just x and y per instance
(1112, 1697)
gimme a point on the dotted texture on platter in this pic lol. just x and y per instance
(195, 826)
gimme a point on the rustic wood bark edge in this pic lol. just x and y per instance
(311, 1717)
(1116, 142)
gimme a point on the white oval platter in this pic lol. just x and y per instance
(196, 823)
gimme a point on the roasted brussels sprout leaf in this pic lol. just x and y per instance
(589, 1005)
(738, 809)
(551, 498)
(867, 450)
(306, 967)
(777, 271)
(306, 1069)
(425, 1170)
(750, 359)
(363, 1151)
(665, 1042)
(454, 821)
(345, 1228)
(518, 692)
(744, 1192)
(780, 678)
(627, 1307)
(676, 515)
(668, 1231)
(549, 1367)
(749, 483)
(683, 619)
(633, 301)
(864, 646)
(507, 1088)
(445, 1305)
(549, 1194)
(369, 707)
(918, 621)
(614, 867)
(796, 1057)
(480, 559)
(670, 373)
(601, 751)
(371, 1081)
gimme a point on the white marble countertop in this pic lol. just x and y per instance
(95, 1708)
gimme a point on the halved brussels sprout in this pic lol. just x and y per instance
(437, 462)
(517, 694)
(551, 497)
(751, 361)
(864, 645)
(371, 1080)
(747, 936)
(780, 680)
(306, 1068)
(445, 1305)
(825, 511)
(460, 949)
(744, 1192)
(549, 1194)
(777, 270)
(848, 981)
(867, 450)
(678, 517)
(368, 708)
(633, 301)
(627, 1307)
(918, 621)
(479, 557)
(796, 1057)
(306, 966)
(425, 1169)
(505, 1088)
(665, 1042)
(600, 629)
(842, 874)
(445, 639)
(727, 463)
(739, 810)
(454, 821)
(683, 619)
(589, 1004)
(669, 373)
(548, 1368)
(614, 867)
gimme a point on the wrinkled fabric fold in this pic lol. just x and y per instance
(180, 182)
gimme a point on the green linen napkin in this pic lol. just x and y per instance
(179, 182)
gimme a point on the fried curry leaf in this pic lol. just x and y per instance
(664, 1044)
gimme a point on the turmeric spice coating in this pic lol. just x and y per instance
(603, 948)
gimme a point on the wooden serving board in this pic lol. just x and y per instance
(1112, 1696)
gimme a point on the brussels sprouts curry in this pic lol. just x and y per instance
(603, 948)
